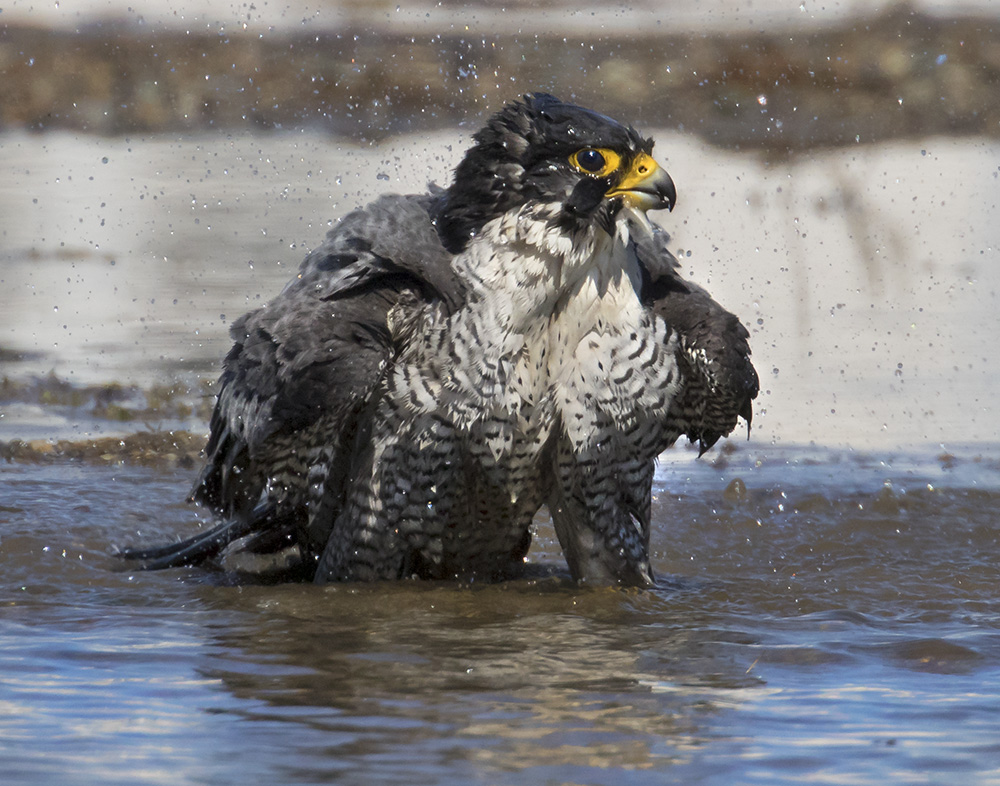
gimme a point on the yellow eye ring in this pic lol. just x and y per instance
(596, 161)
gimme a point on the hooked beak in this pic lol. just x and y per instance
(646, 186)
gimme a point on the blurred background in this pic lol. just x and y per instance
(165, 168)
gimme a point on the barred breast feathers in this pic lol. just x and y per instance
(554, 324)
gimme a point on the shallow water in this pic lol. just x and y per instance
(837, 623)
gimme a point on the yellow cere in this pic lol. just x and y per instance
(643, 167)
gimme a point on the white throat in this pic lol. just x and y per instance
(528, 270)
(547, 303)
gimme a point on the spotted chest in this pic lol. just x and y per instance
(554, 331)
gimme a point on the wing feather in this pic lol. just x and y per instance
(303, 367)
(720, 382)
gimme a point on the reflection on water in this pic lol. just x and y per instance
(839, 619)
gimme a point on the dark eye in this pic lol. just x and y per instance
(590, 160)
(596, 161)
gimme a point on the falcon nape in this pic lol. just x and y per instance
(445, 365)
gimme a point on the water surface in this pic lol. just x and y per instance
(839, 622)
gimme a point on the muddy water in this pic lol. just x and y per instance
(836, 622)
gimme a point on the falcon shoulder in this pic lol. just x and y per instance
(719, 380)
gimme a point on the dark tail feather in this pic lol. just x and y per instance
(188, 552)
(199, 548)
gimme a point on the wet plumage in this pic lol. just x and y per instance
(445, 365)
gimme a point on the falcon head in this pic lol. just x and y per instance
(543, 151)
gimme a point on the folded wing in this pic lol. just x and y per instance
(303, 373)
(720, 382)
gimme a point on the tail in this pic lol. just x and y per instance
(201, 547)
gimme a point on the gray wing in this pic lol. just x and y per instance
(299, 381)
(719, 381)
(313, 355)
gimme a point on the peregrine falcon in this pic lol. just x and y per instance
(445, 365)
